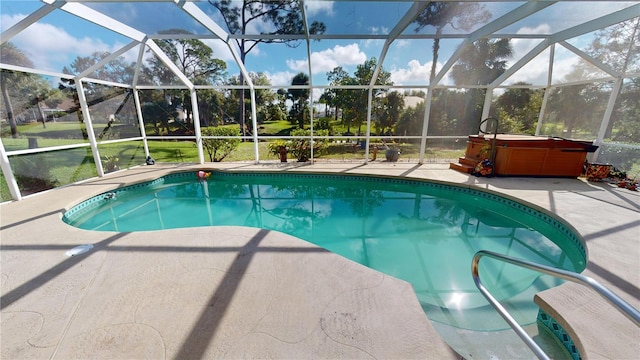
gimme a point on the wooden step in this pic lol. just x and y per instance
(468, 161)
(467, 169)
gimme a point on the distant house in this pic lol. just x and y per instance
(62, 110)
(412, 101)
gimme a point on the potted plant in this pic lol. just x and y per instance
(392, 154)
(279, 148)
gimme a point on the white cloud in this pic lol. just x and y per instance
(282, 78)
(563, 67)
(327, 60)
(414, 73)
(316, 93)
(536, 69)
(401, 43)
(10, 20)
(523, 46)
(220, 49)
(51, 48)
(315, 7)
(372, 43)
(374, 30)
(535, 72)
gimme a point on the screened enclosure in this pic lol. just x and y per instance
(91, 87)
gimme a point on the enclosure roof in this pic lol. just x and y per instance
(55, 34)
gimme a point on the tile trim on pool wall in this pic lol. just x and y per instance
(177, 177)
(466, 190)
(560, 333)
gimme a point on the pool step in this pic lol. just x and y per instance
(501, 344)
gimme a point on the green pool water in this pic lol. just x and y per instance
(422, 232)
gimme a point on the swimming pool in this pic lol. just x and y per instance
(423, 232)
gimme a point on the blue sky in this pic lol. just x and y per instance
(57, 39)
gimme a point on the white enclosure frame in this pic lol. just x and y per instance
(142, 41)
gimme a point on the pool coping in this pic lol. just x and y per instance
(571, 199)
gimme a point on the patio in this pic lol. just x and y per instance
(232, 292)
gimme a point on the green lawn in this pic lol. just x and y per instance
(56, 168)
(61, 167)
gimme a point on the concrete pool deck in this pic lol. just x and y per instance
(233, 292)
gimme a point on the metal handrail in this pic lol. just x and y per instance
(621, 305)
(491, 121)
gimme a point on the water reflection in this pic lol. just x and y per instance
(423, 234)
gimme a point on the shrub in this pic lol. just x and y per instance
(274, 146)
(301, 148)
(218, 149)
(33, 174)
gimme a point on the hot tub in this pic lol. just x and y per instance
(522, 155)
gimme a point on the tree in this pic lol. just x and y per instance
(10, 54)
(195, 60)
(328, 98)
(480, 63)
(459, 15)
(410, 121)
(25, 93)
(354, 103)
(275, 17)
(154, 109)
(577, 107)
(337, 77)
(518, 109)
(298, 97)
(619, 47)
(363, 76)
(116, 70)
(447, 112)
(264, 98)
(193, 57)
(626, 115)
(389, 110)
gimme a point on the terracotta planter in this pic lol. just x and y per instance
(283, 154)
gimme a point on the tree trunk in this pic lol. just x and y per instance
(10, 115)
(41, 115)
(436, 49)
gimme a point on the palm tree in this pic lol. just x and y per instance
(298, 96)
(458, 15)
(480, 64)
